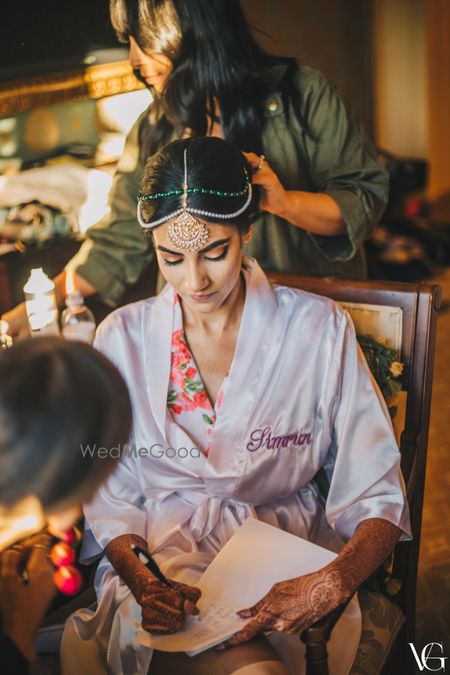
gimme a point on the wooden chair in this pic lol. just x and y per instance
(419, 304)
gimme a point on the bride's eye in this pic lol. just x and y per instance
(172, 262)
(219, 257)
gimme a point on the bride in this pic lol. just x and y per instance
(246, 391)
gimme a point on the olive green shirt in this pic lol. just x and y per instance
(322, 150)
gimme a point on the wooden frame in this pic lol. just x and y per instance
(17, 96)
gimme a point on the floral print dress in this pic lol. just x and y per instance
(187, 398)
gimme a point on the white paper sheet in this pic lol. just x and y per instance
(257, 556)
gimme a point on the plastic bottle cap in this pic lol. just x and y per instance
(38, 282)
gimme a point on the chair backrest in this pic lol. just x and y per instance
(419, 303)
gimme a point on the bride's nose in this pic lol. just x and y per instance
(196, 280)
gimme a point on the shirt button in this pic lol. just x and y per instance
(272, 106)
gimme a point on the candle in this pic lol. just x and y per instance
(70, 283)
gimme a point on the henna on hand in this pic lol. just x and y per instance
(163, 608)
(295, 604)
(371, 544)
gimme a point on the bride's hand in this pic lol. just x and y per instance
(164, 609)
(292, 605)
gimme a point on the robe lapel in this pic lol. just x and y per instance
(258, 319)
(157, 350)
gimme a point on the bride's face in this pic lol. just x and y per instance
(203, 279)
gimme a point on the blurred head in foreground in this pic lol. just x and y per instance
(56, 398)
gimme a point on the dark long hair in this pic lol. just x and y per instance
(212, 164)
(56, 397)
(214, 56)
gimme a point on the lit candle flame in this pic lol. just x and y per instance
(70, 282)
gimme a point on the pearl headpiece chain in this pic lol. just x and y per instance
(187, 232)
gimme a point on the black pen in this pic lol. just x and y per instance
(147, 560)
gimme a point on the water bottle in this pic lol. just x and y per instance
(40, 302)
(77, 320)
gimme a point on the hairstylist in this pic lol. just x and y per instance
(323, 189)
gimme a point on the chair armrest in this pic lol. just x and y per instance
(316, 637)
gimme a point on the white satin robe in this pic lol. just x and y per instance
(298, 372)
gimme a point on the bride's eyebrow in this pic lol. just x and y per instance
(215, 244)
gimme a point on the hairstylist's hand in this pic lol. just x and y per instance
(273, 198)
(291, 605)
(23, 607)
(164, 609)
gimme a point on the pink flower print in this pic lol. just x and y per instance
(201, 399)
(182, 361)
(177, 336)
(219, 399)
(177, 377)
(206, 453)
(191, 372)
(188, 404)
(172, 398)
(179, 359)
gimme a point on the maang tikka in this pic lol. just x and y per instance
(187, 232)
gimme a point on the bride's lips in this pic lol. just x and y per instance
(202, 298)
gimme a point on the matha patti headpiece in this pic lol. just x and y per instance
(187, 232)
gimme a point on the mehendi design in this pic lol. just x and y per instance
(163, 608)
(294, 604)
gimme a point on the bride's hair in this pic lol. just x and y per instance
(212, 164)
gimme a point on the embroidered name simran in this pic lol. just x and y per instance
(263, 438)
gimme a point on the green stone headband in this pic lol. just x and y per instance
(190, 191)
(187, 232)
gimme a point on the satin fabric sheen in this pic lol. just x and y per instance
(297, 371)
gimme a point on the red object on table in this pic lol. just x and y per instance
(72, 536)
(68, 580)
(62, 554)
